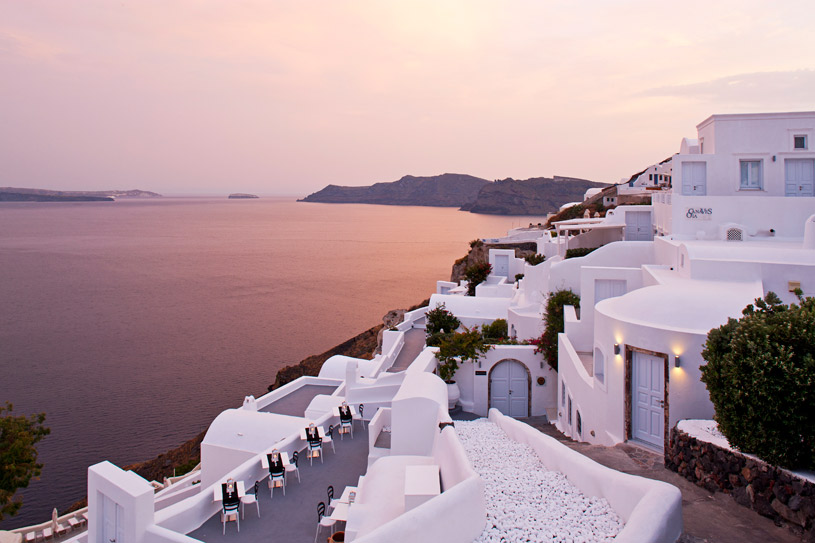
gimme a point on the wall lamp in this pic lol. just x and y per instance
(616, 348)
(677, 361)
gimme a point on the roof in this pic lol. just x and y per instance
(471, 306)
(755, 117)
(252, 431)
(672, 306)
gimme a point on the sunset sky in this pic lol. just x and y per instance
(279, 97)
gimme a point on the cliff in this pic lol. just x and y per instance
(535, 196)
(446, 190)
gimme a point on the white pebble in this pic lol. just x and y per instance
(527, 502)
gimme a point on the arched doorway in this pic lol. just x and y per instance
(509, 388)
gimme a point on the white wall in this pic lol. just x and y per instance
(131, 492)
(652, 510)
(474, 388)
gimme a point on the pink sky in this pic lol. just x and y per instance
(282, 97)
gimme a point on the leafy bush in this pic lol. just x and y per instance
(475, 275)
(495, 331)
(476, 243)
(553, 322)
(518, 277)
(760, 374)
(439, 323)
(575, 253)
(535, 259)
(461, 347)
(18, 455)
(574, 212)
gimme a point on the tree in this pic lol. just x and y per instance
(18, 456)
(760, 374)
(461, 347)
(439, 324)
(475, 275)
(553, 321)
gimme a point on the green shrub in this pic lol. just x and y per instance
(553, 323)
(535, 259)
(475, 275)
(439, 323)
(574, 212)
(760, 374)
(467, 346)
(495, 331)
(518, 277)
(576, 253)
(476, 243)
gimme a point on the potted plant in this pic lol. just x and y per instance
(467, 346)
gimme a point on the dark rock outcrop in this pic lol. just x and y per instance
(535, 196)
(447, 190)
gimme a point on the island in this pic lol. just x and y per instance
(534, 196)
(15, 194)
(240, 196)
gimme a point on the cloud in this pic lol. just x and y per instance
(759, 90)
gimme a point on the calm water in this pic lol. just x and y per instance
(133, 324)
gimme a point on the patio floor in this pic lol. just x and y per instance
(295, 404)
(293, 517)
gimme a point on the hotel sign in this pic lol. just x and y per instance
(699, 213)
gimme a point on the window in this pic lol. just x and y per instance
(650, 177)
(563, 394)
(570, 411)
(750, 175)
(799, 142)
(579, 425)
(599, 365)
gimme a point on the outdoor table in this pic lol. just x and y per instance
(218, 493)
(264, 460)
(320, 432)
(340, 513)
(346, 494)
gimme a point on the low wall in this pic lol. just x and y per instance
(768, 490)
(652, 510)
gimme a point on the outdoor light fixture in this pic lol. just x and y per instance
(616, 348)
(677, 362)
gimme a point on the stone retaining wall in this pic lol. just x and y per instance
(768, 490)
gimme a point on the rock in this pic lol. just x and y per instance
(788, 514)
(747, 473)
(741, 496)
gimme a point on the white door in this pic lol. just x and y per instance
(113, 521)
(638, 226)
(648, 396)
(608, 288)
(501, 265)
(799, 176)
(509, 388)
(694, 178)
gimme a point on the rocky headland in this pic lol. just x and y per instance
(535, 196)
(446, 190)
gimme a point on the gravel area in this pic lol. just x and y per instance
(527, 502)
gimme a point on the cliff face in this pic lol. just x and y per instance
(447, 190)
(535, 196)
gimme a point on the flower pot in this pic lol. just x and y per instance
(453, 394)
(337, 537)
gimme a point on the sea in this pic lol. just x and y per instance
(132, 324)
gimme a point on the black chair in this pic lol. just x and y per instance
(329, 437)
(323, 520)
(332, 503)
(293, 465)
(361, 411)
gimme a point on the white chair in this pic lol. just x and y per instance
(346, 426)
(315, 448)
(249, 499)
(292, 466)
(323, 520)
(274, 479)
(230, 512)
(329, 437)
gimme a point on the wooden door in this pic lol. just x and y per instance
(648, 396)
